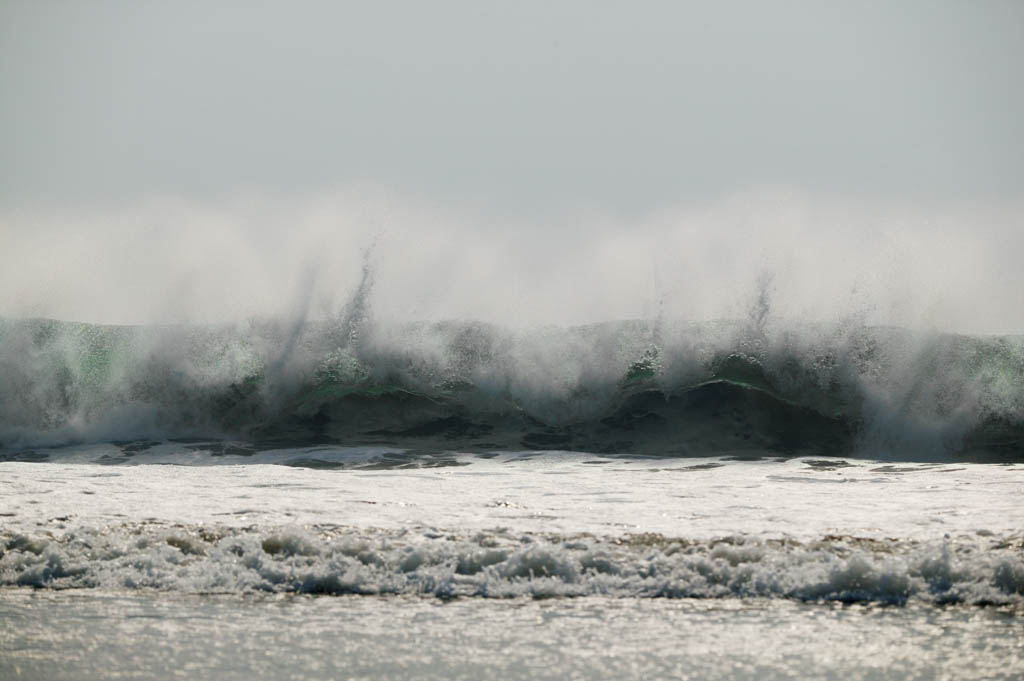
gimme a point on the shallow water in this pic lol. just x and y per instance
(200, 564)
(103, 635)
(563, 492)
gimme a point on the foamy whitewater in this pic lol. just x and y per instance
(752, 493)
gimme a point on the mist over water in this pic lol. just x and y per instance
(358, 317)
(951, 268)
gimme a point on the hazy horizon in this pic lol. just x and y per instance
(533, 164)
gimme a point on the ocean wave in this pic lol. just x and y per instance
(979, 570)
(640, 387)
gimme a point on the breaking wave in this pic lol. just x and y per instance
(500, 564)
(641, 387)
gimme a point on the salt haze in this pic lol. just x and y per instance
(529, 165)
(951, 268)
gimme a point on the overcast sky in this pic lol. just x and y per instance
(522, 162)
(521, 106)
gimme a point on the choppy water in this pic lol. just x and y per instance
(529, 525)
(738, 499)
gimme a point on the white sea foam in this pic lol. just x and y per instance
(548, 524)
(505, 564)
(530, 492)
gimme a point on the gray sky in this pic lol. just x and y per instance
(524, 107)
(521, 162)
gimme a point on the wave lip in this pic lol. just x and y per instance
(500, 564)
(632, 387)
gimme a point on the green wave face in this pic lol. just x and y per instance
(630, 387)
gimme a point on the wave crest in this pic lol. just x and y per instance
(645, 387)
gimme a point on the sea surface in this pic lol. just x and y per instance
(640, 499)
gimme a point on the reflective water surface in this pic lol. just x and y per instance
(104, 635)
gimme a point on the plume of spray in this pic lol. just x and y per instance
(814, 303)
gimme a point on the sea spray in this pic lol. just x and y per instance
(794, 389)
(778, 321)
